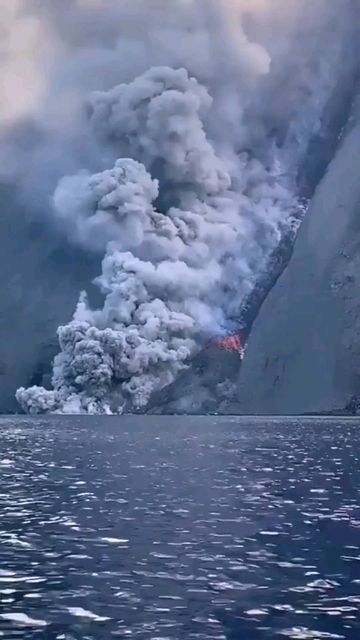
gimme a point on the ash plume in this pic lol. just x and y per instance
(166, 139)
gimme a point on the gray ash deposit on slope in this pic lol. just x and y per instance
(181, 170)
(310, 362)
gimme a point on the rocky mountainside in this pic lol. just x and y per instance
(304, 350)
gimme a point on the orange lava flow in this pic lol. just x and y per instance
(230, 343)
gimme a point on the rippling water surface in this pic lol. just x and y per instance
(191, 528)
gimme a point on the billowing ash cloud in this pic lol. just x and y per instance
(175, 155)
(170, 272)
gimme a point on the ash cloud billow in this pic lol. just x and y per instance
(167, 140)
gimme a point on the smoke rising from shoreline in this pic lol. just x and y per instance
(168, 140)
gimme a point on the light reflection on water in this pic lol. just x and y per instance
(195, 528)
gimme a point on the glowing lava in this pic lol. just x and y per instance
(233, 343)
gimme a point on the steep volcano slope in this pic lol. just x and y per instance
(210, 384)
(304, 350)
(40, 277)
(39, 274)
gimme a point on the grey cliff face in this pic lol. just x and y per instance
(304, 350)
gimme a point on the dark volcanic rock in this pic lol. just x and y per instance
(304, 350)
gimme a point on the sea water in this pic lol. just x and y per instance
(179, 528)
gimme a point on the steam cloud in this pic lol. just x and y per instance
(175, 155)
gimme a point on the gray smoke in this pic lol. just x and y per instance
(168, 137)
